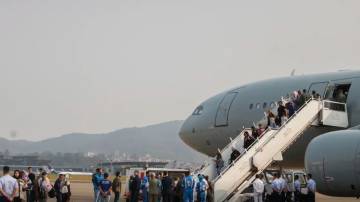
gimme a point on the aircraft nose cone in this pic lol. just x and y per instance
(186, 132)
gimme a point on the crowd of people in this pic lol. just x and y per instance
(26, 186)
(281, 192)
(153, 187)
(160, 187)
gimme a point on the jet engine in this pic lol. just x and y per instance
(334, 161)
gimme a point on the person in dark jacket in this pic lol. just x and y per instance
(57, 186)
(179, 189)
(166, 187)
(247, 140)
(30, 191)
(234, 155)
(135, 187)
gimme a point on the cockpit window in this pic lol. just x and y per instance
(198, 110)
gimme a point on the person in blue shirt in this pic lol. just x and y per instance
(201, 187)
(311, 185)
(188, 185)
(145, 188)
(105, 189)
(97, 177)
(297, 191)
(276, 186)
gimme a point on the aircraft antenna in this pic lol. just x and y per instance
(293, 72)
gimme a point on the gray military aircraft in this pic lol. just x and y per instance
(331, 154)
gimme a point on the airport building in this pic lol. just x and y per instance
(122, 166)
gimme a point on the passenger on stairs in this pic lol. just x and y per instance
(234, 155)
(313, 94)
(254, 133)
(306, 94)
(271, 119)
(281, 112)
(290, 109)
(219, 163)
(294, 99)
(302, 98)
(298, 100)
(258, 186)
(248, 140)
(260, 131)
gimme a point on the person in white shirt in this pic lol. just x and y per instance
(8, 185)
(258, 185)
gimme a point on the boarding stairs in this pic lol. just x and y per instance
(238, 175)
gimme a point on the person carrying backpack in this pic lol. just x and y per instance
(44, 187)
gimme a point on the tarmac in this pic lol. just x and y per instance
(82, 192)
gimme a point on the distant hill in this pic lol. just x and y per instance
(160, 140)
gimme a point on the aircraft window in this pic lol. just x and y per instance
(258, 106)
(272, 105)
(198, 110)
(251, 106)
(264, 105)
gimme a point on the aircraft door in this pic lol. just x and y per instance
(222, 113)
(318, 87)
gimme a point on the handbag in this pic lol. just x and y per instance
(52, 193)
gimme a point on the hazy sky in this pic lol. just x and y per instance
(96, 66)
